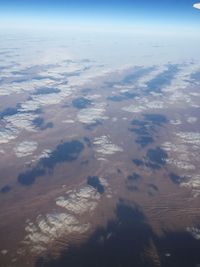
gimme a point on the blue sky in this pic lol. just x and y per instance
(119, 12)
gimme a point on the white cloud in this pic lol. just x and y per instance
(8, 134)
(192, 120)
(79, 202)
(91, 115)
(4, 252)
(194, 184)
(50, 228)
(22, 121)
(25, 148)
(44, 154)
(195, 232)
(104, 146)
(183, 153)
(183, 150)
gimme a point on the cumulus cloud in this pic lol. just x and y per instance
(79, 202)
(44, 154)
(192, 119)
(25, 148)
(183, 154)
(195, 232)
(104, 146)
(21, 121)
(50, 227)
(144, 104)
(194, 184)
(7, 134)
(91, 115)
(179, 152)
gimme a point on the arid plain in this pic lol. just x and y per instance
(99, 161)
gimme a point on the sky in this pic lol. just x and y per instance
(127, 13)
